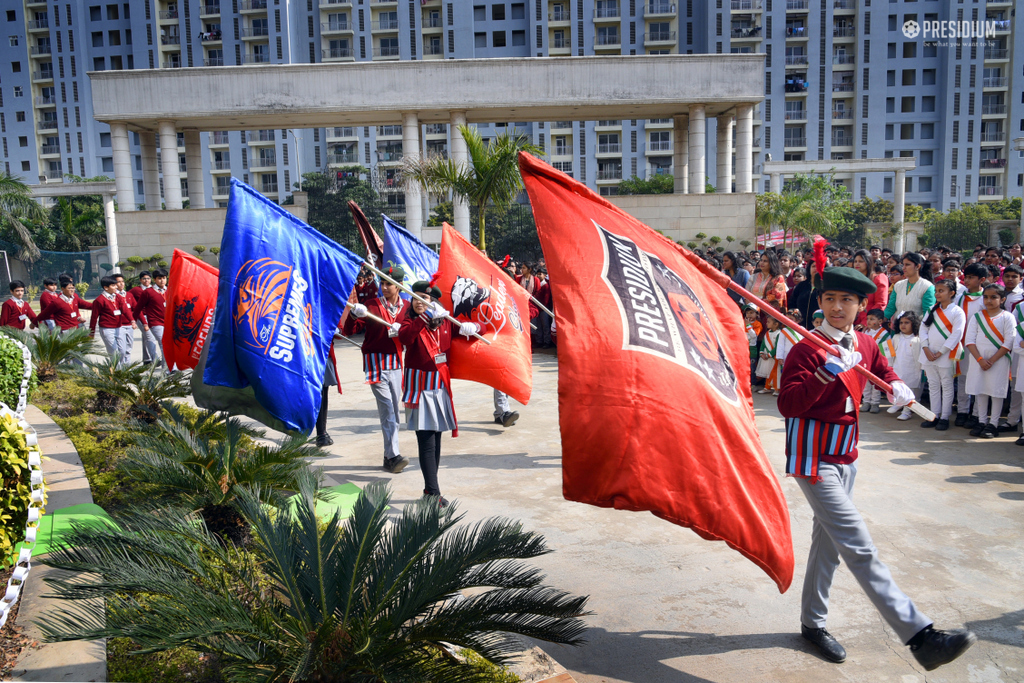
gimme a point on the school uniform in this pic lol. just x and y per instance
(16, 313)
(66, 311)
(944, 337)
(766, 366)
(150, 309)
(787, 340)
(44, 298)
(752, 343)
(989, 334)
(382, 363)
(109, 312)
(872, 395)
(1013, 297)
(127, 332)
(147, 337)
(970, 303)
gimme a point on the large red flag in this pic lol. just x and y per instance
(653, 378)
(477, 290)
(191, 297)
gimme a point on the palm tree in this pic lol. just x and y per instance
(795, 212)
(372, 598)
(491, 177)
(76, 221)
(16, 204)
(141, 387)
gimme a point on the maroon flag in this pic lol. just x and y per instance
(371, 240)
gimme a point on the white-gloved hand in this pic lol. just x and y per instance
(359, 310)
(901, 395)
(469, 329)
(436, 311)
(395, 327)
(846, 360)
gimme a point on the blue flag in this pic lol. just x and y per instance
(402, 249)
(283, 288)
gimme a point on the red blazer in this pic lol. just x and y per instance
(543, 294)
(136, 292)
(417, 356)
(376, 339)
(67, 316)
(44, 298)
(109, 313)
(130, 302)
(12, 315)
(809, 391)
(150, 308)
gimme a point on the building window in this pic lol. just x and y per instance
(95, 13)
(112, 12)
(19, 116)
(99, 64)
(14, 41)
(924, 158)
(886, 185)
(97, 39)
(26, 166)
(18, 91)
(906, 131)
(499, 37)
(479, 13)
(104, 139)
(924, 184)
(16, 67)
(497, 12)
(480, 39)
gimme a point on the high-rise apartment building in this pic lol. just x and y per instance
(843, 79)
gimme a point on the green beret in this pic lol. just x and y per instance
(844, 279)
(395, 273)
(818, 314)
(424, 287)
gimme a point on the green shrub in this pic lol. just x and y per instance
(16, 489)
(12, 372)
(82, 288)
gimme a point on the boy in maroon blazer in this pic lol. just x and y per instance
(16, 312)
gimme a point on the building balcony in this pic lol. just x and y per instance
(213, 61)
(170, 64)
(389, 131)
(842, 141)
(659, 37)
(660, 9)
(49, 124)
(170, 40)
(385, 25)
(846, 86)
(342, 159)
(49, 150)
(389, 155)
(390, 52)
(341, 133)
(659, 147)
(211, 38)
(167, 15)
(844, 59)
(842, 114)
(561, 126)
(43, 50)
(1001, 26)
(260, 137)
(252, 6)
(333, 4)
(181, 167)
(844, 31)
(383, 2)
(562, 45)
(436, 129)
(218, 137)
(221, 166)
(607, 13)
(993, 110)
(263, 164)
(255, 33)
(604, 41)
(435, 50)
(38, 24)
(796, 142)
(994, 136)
(209, 10)
(657, 123)
(796, 115)
(42, 75)
(337, 53)
(437, 151)
(844, 5)
(745, 5)
(561, 151)
(610, 149)
(796, 60)
(797, 5)
(558, 17)
(53, 174)
(335, 27)
(1000, 3)
(990, 191)
(992, 163)
(269, 190)
(996, 54)
(221, 191)
(256, 58)
(46, 100)
(610, 124)
(432, 24)
(35, 3)
(994, 82)
(745, 33)
(796, 33)
(605, 176)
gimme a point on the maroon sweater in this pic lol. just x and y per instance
(810, 391)
(417, 356)
(150, 307)
(376, 339)
(11, 315)
(104, 312)
(67, 316)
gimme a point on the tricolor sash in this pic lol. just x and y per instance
(770, 343)
(945, 328)
(808, 439)
(989, 328)
(1018, 315)
(965, 303)
(791, 336)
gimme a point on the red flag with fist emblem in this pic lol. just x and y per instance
(653, 378)
(476, 290)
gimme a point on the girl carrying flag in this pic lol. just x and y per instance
(941, 349)
(990, 338)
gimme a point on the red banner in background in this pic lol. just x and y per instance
(653, 378)
(476, 290)
(191, 298)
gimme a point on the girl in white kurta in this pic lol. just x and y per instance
(990, 338)
(766, 365)
(872, 395)
(787, 340)
(941, 333)
(908, 350)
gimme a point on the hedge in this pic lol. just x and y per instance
(16, 492)
(12, 372)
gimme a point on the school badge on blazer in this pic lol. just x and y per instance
(662, 315)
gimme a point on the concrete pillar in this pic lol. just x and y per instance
(745, 148)
(698, 175)
(776, 185)
(169, 160)
(150, 170)
(680, 154)
(460, 155)
(899, 206)
(108, 214)
(122, 166)
(723, 151)
(413, 190)
(194, 169)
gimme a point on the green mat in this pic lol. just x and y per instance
(340, 499)
(55, 526)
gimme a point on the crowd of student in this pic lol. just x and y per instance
(950, 326)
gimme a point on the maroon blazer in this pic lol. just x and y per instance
(417, 355)
(376, 339)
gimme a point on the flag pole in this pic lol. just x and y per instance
(726, 282)
(339, 335)
(419, 298)
(371, 316)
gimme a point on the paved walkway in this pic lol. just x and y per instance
(946, 513)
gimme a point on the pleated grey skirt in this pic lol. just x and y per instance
(433, 414)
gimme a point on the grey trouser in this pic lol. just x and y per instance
(388, 392)
(147, 345)
(111, 338)
(50, 325)
(839, 530)
(152, 343)
(500, 403)
(128, 334)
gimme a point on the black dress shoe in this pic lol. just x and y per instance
(930, 423)
(396, 464)
(1006, 427)
(1020, 440)
(978, 429)
(324, 440)
(942, 425)
(938, 647)
(961, 419)
(989, 431)
(509, 419)
(972, 422)
(829, 646)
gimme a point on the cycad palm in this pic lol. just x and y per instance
(16, 204)
(492, 175)
(143, 389)
(368, 599)
(50, 348)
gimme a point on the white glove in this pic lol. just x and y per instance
(436, 311)
(469, 329)
(846, 360)
(359, 310)
(901, 395)
(395, 327)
